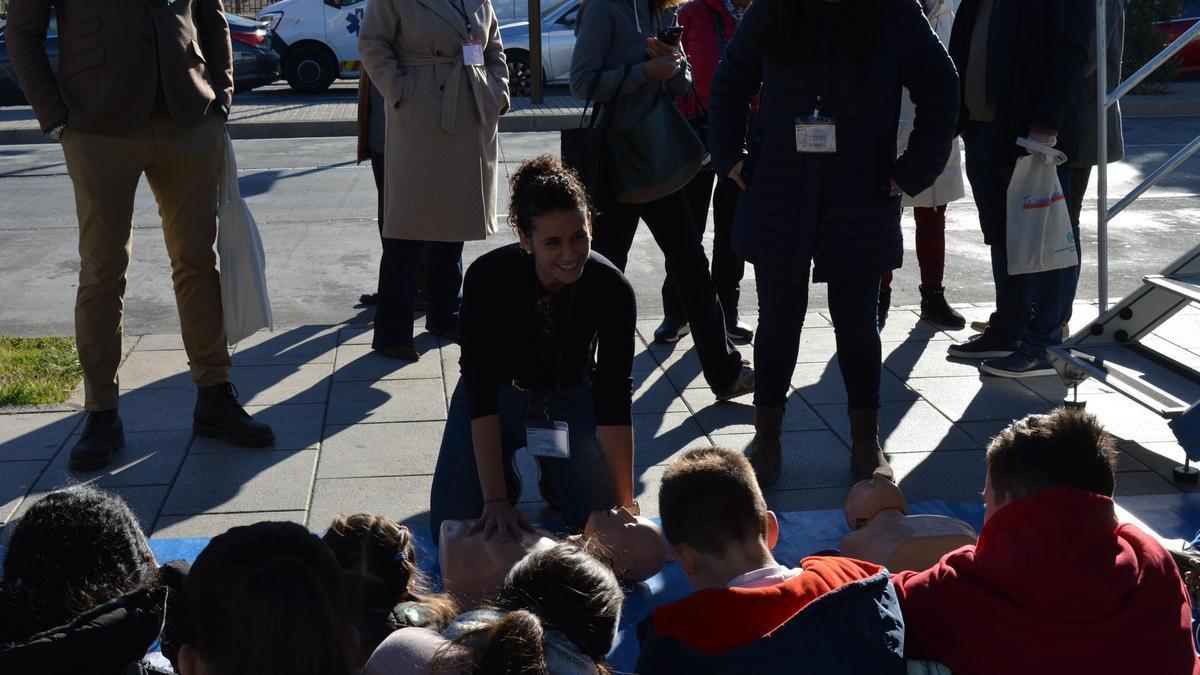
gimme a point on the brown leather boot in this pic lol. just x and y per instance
(766, 452)
(866, 454)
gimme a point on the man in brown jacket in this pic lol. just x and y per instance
(144, 86)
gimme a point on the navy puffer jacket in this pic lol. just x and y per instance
(833, 210)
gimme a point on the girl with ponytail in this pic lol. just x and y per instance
(534, 315)
(383, 587)
(557, 614)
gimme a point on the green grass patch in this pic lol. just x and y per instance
(38, 370)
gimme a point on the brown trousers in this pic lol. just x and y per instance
(182, 165)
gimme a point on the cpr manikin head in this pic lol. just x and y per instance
(473, 568)
(870, 497)
(636, 544)
(882, 533)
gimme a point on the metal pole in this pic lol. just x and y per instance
(535, 51)
(1102, 153)
(1160, 173)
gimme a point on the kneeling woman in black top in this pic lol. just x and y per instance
(532, 313)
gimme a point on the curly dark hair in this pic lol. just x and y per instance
(540, 186)
(74, 550)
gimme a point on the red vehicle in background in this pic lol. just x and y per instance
(1189, 56)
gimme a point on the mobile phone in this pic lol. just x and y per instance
(670, 35)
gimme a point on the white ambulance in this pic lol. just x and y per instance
(317, 40)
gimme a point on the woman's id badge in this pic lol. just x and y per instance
(473, 53)
(817, 134)
(547, 439)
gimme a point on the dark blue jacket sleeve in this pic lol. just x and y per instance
(1071, 25)
(734, 86)
(928, 73)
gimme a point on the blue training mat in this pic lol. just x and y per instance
(801, 533)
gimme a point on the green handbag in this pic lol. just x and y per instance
(652, 157)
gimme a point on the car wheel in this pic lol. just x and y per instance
(520, 74)
(310, 69)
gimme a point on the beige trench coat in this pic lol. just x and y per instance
(949, 185)
(442, 142)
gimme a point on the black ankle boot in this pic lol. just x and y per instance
(885, 303)
(936, 310)
(219, 415)
(103, 435)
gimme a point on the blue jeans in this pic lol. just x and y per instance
(398, 289)
(1030, 308)
(583, 482)
(854, 308)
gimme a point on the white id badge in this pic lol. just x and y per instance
(472, 53)
(817, 135)
(548, 439)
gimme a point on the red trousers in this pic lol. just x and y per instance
(931, 246)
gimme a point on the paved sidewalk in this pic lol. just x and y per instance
(278, 112)
(360, 432)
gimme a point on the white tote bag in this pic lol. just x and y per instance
(1040, 238)
(244, 300)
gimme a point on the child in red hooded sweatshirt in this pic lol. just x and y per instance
(1055, 584)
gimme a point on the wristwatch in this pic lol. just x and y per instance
(56, 131)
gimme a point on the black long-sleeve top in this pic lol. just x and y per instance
(514, 331)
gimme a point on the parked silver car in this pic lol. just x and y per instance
(558, 41)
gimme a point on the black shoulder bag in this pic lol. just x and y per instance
(582, 148)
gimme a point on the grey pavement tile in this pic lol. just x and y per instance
(155, 370)
(390, 449)
(451, 383)
(820, 383)
(984, 431)
(16, 478)
(402, 498)
(422, 340)
(660, 437)
(387, 401)
(306, 344)
(229, 482)
(737, 416)
(1053, 390)
(1127, 420)
(1161, 458)
(955, 476)
(360, 363)
(904, 427)
(1181, 329)
(158, 409)
(1146, 483)
(159, 342)
(817, 345)
(903, 325)
(646, 485)
(296, 426)
(643, 359)
(924, 359)
(148, 458)
(810, 499)
(210, 525)
(653, 392)
(811, 459)
(35, 435)
(972, 398)
(684, 370)
(144, 500)
(272, 385)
